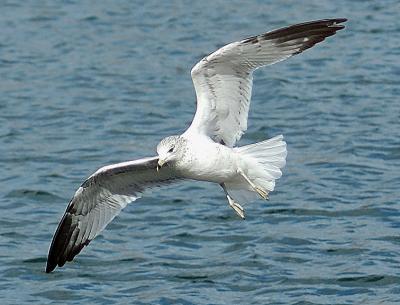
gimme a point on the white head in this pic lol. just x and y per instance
(169, 150)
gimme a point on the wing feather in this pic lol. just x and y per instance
(223, 80)
(98, 200)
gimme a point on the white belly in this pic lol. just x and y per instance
(210, 161)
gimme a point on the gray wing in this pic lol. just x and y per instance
(98, 200)
(223, 80)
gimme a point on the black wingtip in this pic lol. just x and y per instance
(337, 22)
(52, 258)
(51, 262)
(340, 20)
(58, 248)
(50, 267)
(332, 21)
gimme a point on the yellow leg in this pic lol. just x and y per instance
(234, 205)
(263, 193)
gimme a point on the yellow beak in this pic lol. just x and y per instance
(160, 164)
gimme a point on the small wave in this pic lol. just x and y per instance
(37, 195)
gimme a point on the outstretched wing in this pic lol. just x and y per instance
(223, 80)
(98, 200)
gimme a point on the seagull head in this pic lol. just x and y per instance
(168, 150)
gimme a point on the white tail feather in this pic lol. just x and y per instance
(262, 163)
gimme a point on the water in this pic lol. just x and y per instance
(86, 84)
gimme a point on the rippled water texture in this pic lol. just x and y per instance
(85, 83)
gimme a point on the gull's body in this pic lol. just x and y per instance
(206, 150)
(207, 160)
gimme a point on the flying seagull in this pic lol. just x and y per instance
(206, 150)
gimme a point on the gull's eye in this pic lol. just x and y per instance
(171, 150)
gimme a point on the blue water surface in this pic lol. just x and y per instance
(88, 83)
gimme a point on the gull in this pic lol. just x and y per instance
(206, 151)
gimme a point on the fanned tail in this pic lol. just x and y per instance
(262, 163)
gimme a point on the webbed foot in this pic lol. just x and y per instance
(236, 206)
(260, 191)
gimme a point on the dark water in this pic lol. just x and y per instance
(84, 84)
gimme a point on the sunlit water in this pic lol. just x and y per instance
(84, 84)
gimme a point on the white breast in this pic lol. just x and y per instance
(209, 161)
